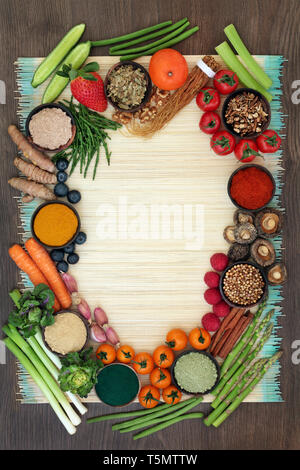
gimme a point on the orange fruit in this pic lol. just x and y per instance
(168, 69)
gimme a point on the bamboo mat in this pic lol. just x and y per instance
(146, 271)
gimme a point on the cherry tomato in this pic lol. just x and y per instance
(176, 339)
(107, 353)
(225, 81)
(208, 99)
(222, 143)
(210, 122)
(163, 356)
(149, 396)
(246, 150)
(143, 363)
(160, 378)
(269, 141)
(125, 354)
(171, 395)
(199, 338)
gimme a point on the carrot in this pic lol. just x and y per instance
(26, 264)
(42, 258)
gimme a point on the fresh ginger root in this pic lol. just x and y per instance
(34, 155)
(33, 172)
(32, 189)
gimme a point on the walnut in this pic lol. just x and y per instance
(122, 117)
(147, 113)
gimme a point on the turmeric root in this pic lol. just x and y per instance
(34, 173)
(34, 155)
(32, 189)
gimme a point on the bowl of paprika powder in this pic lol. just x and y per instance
(251, 187)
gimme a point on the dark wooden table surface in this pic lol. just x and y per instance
(32, 28)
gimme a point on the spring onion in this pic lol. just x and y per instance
(169, 43)
(153, 44)
(247, 58)
(125, 37)
(234, 64)
(15, 336)
(27, 364)
(148, 36)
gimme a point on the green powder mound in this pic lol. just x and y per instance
(195, 373)
(117, 385)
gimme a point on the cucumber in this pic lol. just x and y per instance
(76, 58)
(50, 63)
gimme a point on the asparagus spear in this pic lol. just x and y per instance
(243, 340)
(244, 354)
(236, 402)
(235, 391)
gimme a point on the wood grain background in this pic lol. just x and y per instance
(32, 28)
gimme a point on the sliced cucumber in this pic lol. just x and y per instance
(50, 63)
(76, 58)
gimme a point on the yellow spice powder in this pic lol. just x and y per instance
(55, 224)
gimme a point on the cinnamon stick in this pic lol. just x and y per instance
(223, 325)
(235, 335)
(217, 347)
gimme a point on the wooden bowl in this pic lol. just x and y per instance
(40, 108)
(266, 106)
(204, 353)
(146, 98)
(37, 211)
(84, 321)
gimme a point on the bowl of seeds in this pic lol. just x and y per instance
(243, 285)
(127, 86)
(246, 113)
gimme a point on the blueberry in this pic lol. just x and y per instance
(57, 255)
(61, 189)
(81, 238)
(74, 196)
(73, 258)
(62, 266)
(62, 164)
(61, 176)
(69, 248)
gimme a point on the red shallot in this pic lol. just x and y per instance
(102, 320)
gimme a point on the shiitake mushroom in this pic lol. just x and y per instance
(245, 233)
(263, 252)
(277, 274)
(228, 233)
(238, 252)
(268, 222)
(243, 217)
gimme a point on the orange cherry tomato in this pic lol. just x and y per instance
(176, 339)
(143, 363)
(171, 395)
(107, 353)
(149, 396)
(163, 356)
(160, 378)
(199, 338)
(125, 354)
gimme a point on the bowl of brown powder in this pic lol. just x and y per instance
(50, 127)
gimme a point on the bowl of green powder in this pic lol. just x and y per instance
(117, 384)
(195, 372)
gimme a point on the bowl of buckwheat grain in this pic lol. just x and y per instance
(243, 285)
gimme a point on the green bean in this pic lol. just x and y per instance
(50, 63)
(160, 419)
(148, 36)
(153, 44)
(156, 414)
(169, 43)
(126, 414)
(141, 32)
(166, 424)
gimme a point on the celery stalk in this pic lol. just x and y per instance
(41, 384)
(235, 65)
(56, 361)
(245, 55)
(15, 336)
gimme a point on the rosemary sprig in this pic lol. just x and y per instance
(90, 136)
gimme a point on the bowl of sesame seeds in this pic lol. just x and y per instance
(243, 285)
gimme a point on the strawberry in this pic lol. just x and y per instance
(87, 86)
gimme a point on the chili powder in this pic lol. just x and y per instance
(251, 188)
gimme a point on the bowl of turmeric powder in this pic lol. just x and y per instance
(55, 224)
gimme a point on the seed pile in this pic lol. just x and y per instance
(243, 284)
(127, 86)
(246, 113)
